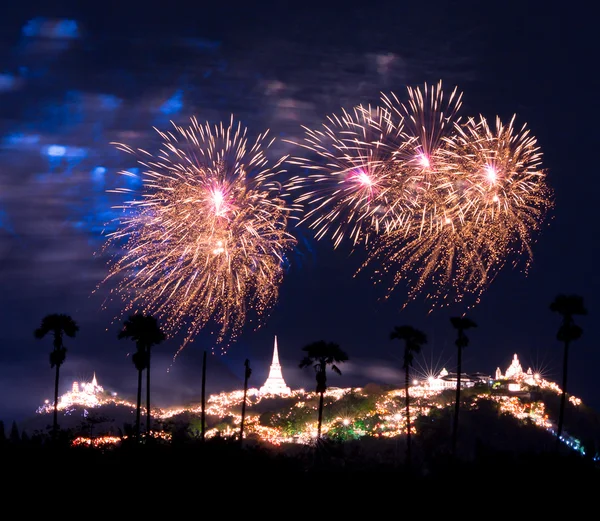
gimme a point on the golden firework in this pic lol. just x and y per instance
(206, 238)
(441, 205)
(349, 192)
(489, 197)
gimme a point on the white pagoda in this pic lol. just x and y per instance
(85, 394)
(275, 384)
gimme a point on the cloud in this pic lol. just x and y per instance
(9, 82)
(52, 28)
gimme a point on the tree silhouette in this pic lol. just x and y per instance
(14, 435)
(461, 324)
(203, 400)
(321, 354)
(567, 306)
(59, 325)
(247, 373)
(92, 419)
(413, 341)
(145, 332)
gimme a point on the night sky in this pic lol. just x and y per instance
(73, 80)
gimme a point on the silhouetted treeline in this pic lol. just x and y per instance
(498, 447)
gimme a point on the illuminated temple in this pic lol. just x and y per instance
(275, 384)
(445, 380)
(84, 394)
(516, 376)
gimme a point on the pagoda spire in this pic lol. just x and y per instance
(275, 384)
(275, 354)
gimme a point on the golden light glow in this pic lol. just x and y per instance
(386, 419)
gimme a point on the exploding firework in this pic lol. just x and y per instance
(351, 192)
(495, 198)
(440, 205)
(428, 119)
(206, 238)
(379, 170)
(426, 251)
(499, 182)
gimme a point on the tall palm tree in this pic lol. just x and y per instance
(145, 331)
(321, 354)
(461, 324)
(59, 324)
(567, 306)
(203, 399)
(413, 341)
(247, 373)
(139, 359)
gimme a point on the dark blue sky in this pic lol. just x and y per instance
(74, 79)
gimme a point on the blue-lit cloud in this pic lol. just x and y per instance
(52, 28)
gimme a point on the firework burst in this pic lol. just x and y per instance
(499, 185)
(439, 204)
(428, 119)
(490, 198)
(350, 194)
(206, 238)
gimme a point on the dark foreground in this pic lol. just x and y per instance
(383, 457)
(332, 480)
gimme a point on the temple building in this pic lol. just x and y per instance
(516, 376)
(88, 394)
(275, 384)
(84, 394)
(445, 380)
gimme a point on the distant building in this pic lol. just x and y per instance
(446, 380)
(84, 394)
(513, 379)
(516, 377)
(275, 384)
(88, 394)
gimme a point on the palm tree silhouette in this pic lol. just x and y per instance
(461, 324)
(145, 332)
(320, 354)
(59, 324)
(413, 341)
(247, 373)
(567, 306)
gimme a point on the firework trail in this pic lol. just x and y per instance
(206, 239)
(429, 117)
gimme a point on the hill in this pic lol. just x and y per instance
(494, 418)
